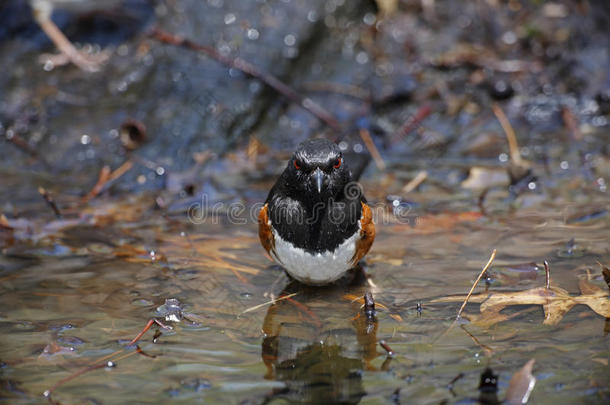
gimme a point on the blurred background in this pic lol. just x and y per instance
(419, 76)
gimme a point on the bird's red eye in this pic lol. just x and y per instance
(297, 165)
(338, 163)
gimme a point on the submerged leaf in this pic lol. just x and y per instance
(555, 301)
(521, 385)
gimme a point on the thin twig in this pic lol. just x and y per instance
(413, 121)
(254, 308)
(513, 146)
(50, 202)
(387, 348)
(149, 324)
(22, 144)
(370, 145)
(251, 70)
(487, 349)
(106, 178)
(338, 88)
(489, 262)
(415, 182)
(547, 272)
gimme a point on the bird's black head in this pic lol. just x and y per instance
(317, 170)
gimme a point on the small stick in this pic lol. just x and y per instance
(547, 272)
(149, 324)
(487, 349)
(513, 146)
(50, 202)
(387, 348)
(143, 353)
(249, 69)
(109, 364)
(415, 182)
(412, 122)
(489, 262)
(106, 361)
(254, 308)
(101, 180)
(370, 145)
(106, 177)
(453, 381)
(338, 88)
(63, 43)
(22, 144)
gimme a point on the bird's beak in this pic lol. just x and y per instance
(319, 177)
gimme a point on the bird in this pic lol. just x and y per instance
(316, 222)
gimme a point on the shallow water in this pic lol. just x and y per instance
(77, 298)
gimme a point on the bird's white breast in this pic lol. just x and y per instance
(315, 268)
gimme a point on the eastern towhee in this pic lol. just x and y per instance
(316, 222)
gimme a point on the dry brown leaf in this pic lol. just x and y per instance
(521, 385)
(555, 301)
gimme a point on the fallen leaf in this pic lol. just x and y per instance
(555, 301)
(521, 385)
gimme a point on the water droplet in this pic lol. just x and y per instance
(369, 18)
(290, 40)
(531, 185)
(503, 157)
(362, 57)
(252, 34)
(564, 165)
(230, 18)
(509, 38)
(312, 16)
(85, 139)
(160, 171)
(48, 66)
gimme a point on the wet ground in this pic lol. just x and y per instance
(173, 217)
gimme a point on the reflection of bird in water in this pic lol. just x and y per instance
(319, 354)
(42, 10)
